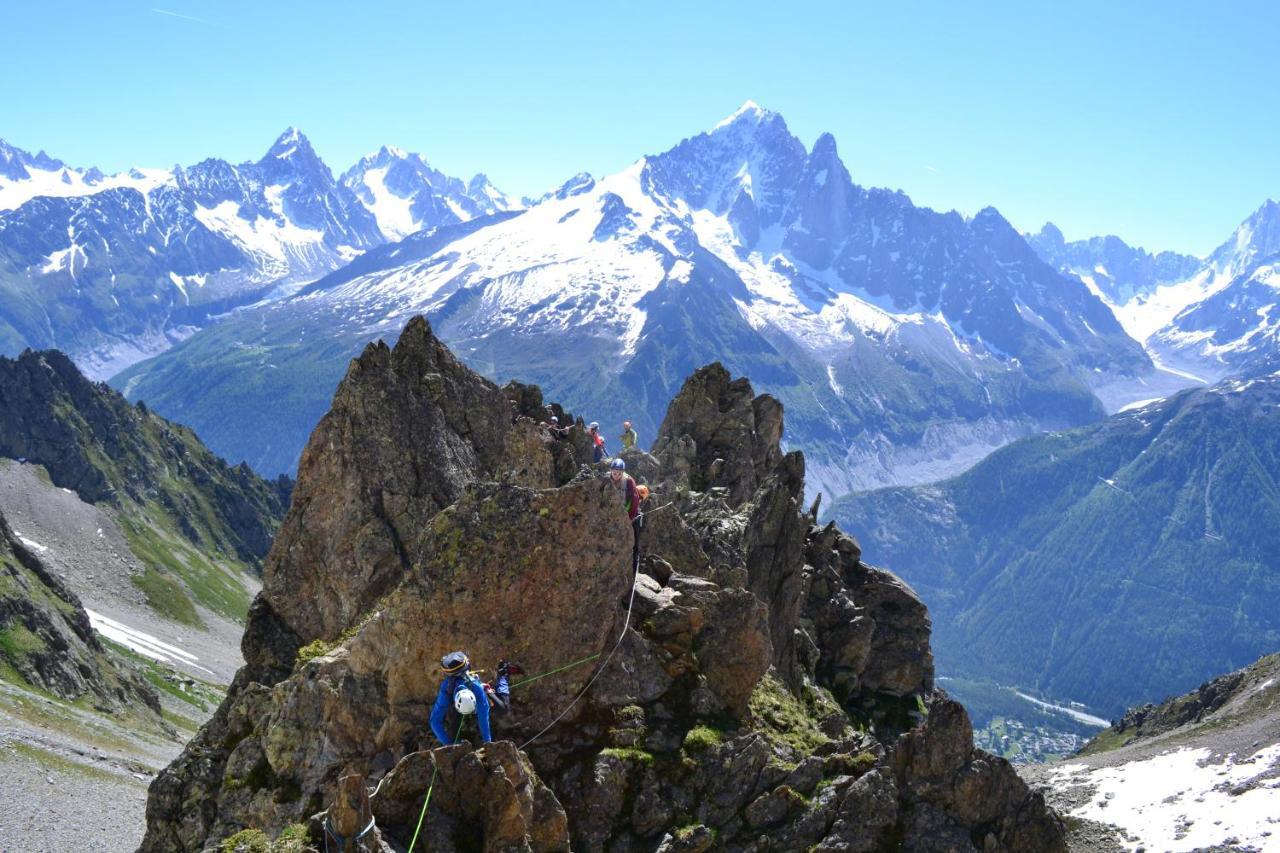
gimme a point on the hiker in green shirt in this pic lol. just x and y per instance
(629, 437)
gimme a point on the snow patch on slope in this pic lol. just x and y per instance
(273, 243)
(1185, 800)
(142, 643)
(393, 212)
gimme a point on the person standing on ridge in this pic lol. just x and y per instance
(627, 490)
(553, 427)
(598, 453)
(629, 437)
(462, 689)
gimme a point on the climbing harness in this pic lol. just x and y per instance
(340, 839)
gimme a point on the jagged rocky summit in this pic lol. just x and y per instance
(769, 692)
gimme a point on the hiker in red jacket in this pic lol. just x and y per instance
(598, 453)
(630, 494)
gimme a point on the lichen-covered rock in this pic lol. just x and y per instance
(762, 693)
(717, 433)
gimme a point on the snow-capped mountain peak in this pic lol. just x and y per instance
(1256, 239)
(291, 158)
(750, 111)
(14, 162)
(406, 194)
(1231, 325)
(24, 176)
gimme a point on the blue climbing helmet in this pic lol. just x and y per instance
(454, 662)
(618, 465)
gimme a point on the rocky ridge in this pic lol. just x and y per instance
(92, 441)
(766, 690)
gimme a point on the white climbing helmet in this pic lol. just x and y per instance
(464, 701)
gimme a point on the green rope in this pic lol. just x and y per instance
(435, 768)
(554, 671)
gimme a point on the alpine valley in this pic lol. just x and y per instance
(1109, 564)
(1069, 449)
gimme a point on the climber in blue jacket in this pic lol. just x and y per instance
(464, 690)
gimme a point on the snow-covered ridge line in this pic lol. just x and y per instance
(67, 182)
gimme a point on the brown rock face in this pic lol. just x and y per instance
(485, 558)
(409, 428)
(433, 513)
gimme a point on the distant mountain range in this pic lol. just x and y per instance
(1207, 319)
(115, 268)
(1114, 269)
(1109, 564)
(905, 343)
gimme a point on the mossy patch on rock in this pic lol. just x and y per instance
(780, 716)
(702, 738)
(247, 841)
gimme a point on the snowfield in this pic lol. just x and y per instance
(66, 182)
(1185, 800)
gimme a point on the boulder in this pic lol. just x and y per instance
(488, 799)
(409, 428)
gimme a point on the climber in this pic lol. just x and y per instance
(463, 690)
(629, 437)
(553, 427)
(499, 692)
(630, 495)
(598, 453)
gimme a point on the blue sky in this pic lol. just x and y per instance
(1154, 121)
